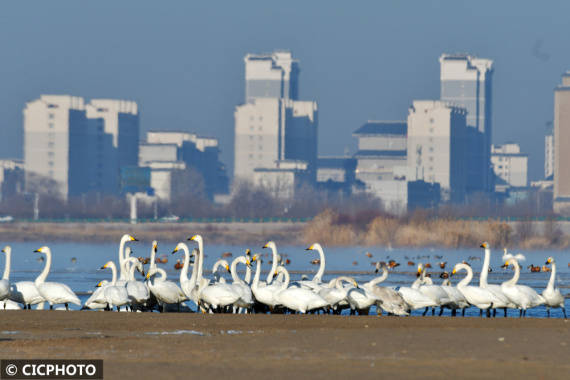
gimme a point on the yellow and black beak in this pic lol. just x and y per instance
(38, 250)
(192, 238)
(133, 238)
(484, 245)
(228, 269)
(99, 284)
(453, 271)
(309, 248)
(104, 266)
(175, 250)
(265, 246)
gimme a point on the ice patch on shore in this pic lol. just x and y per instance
(176, 332)
(10, 332)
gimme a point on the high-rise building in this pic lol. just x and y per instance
(510, 165)
(274, 75)
(272, 125)
(466, 81)
(72, 148)
(168, 152)
(436, 146)
(561, 147)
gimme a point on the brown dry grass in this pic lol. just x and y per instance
(420, 231)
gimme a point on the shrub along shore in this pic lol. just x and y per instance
(328, 228)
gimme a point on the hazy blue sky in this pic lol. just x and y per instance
(182, 61)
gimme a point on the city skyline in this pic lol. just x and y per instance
(350, 65)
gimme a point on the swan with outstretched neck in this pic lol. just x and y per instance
(23, 292)
(188, 284)
(389, 300)
(54, 293)
(137, 291)
(503, 300)
(201, 282)
(479, 297)
(275, 258)
(316, 283)
(240, 286)
(123, 271)
(522, 296)
(552, 296)
(5, 281)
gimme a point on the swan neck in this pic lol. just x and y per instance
(379, 279)
(273, 264)
(42, 277)
(114, 271)
(516, 275)
(552, 277)
(122, 261)
(131, 272)
(194, 271)
(467, 278)
(318, 277)
(247, 278)
(286, 278)
(235, 277)
(6, 275)
(184, 271)
(255, 283)
(485, 268)
(201, 261)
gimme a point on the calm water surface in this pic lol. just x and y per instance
(76, 264)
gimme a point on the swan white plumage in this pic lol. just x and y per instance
(115, 295)
(479, 297)
(166, 292)
(5, 281)
(552, 296)
(435, 292)
(188, 284)
(297, 299)
(335, 293)
(97, 300)
(316, 283)
(524, 297)
(137, 291)
(458, 300)
(275, 262)
(53, 292)
(201, 282)
(413, 297)
(503, 300)
(122, 258)
(264, 294)
(245, 296)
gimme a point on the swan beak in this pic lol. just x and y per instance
(376, 270)
(453, 271)
(4, 250)
(98, 284)
(265, 246)
(192, 238)
(309, 248)
(38, 250)
(147, 276)
(483, 245)
(133, 238)
(175, 250)
(228, 269)
(547, 261)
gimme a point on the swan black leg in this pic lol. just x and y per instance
(520, 313)
(425, 311)
(481, 313)
(463, 312)
(432, 311)
(505, 310)
(66, 307)
(548, 312)
(564, 311)
(494, 313)
(454, 312)
(51, 307)
(488, 313)
(440, 311)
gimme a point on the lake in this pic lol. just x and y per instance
(77, 264)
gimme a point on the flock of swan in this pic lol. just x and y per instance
(276, 293)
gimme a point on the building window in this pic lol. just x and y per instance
(50, 163)
(431, 130)
(50, 144)
(431, 120)
(251, 156)
(50, 125)
(50, 154)
(251, 137)
(50, 116)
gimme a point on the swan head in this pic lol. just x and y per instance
(420, 269)
(154, 246)
(484, 245)
(127, 237)
(314, 246)
(107, 265)
(151, 273)
(550, 260)
(43, 249)
(7, 249)
(180, 246)
(196, 238)
(270, 244)
(256, 257)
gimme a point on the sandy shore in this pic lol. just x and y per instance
(153, 345)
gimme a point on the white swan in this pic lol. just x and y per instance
(389, 300)
(115, 295)
(201, 282)
(215, 268)
(274, 263)
(316, 283)
(479, 297)
(188, 284)
(458, 301)
(53, 292)
(24, 292)
(503, 300)
(435, 292)
(335, 293)
(522, 296)
(5, 281)
(137, 291)
(297, 299)
(166, 292)
(241, 287)
(97, 300)
(264, 294)
(413, 297)
(552, 296)
(123, 271)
